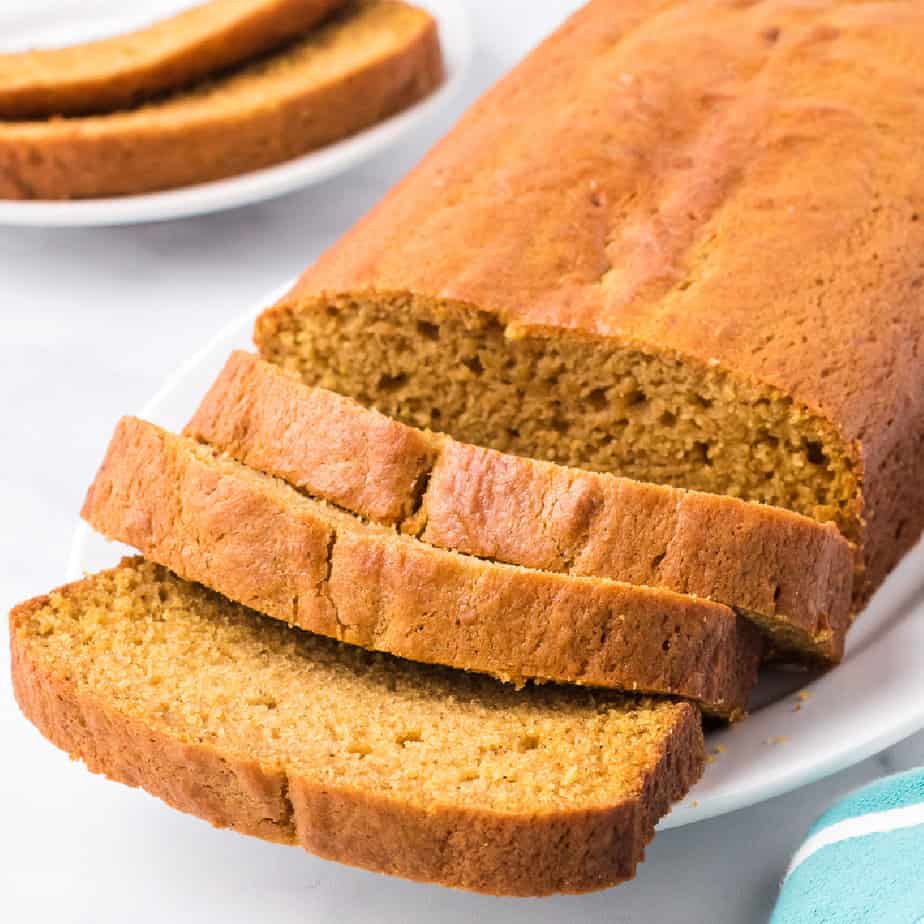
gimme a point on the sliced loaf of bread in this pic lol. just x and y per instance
(789, 573)
(260, 542)
(709, 277)
(417, 771)
(373, 60)
(119, 72)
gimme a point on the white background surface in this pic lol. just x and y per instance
(91, 322)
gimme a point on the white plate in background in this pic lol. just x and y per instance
(45, 23)
(872, 700)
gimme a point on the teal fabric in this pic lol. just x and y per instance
(876, 878)
(890, 792)
(867, 878)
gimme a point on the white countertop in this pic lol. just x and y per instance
(91, 322)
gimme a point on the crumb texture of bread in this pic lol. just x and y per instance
(374, 59)
(421, 772)
(260, 542)
(119, 72)
(789, 573)
(705, 275)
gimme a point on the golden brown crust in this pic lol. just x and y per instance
(759, 212)
(469, 848)
(787, 568)
(257, 541)
(251, 119)
(119, 72)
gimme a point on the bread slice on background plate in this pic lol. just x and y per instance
(422, 772)
(120, 72)
(373, 60)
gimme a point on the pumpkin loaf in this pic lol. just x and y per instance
(421, 772)
(790, 574)
(116, 73)
(705, 275)
(258, 541)
(371, 61)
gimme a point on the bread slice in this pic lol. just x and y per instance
(256, 540)
(420, 772)
(679, 242)
(119, 72)
(790, 574)
(375, 59)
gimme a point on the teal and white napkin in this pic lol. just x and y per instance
(862, 861)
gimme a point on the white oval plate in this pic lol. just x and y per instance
(44, 23)
(872, 700)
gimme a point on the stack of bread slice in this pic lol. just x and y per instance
(324, 515)
(224, 88)
(536, 469)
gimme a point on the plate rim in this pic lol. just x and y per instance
(757, 786)
(456, 37)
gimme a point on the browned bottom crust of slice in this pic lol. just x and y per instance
(459, 841)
